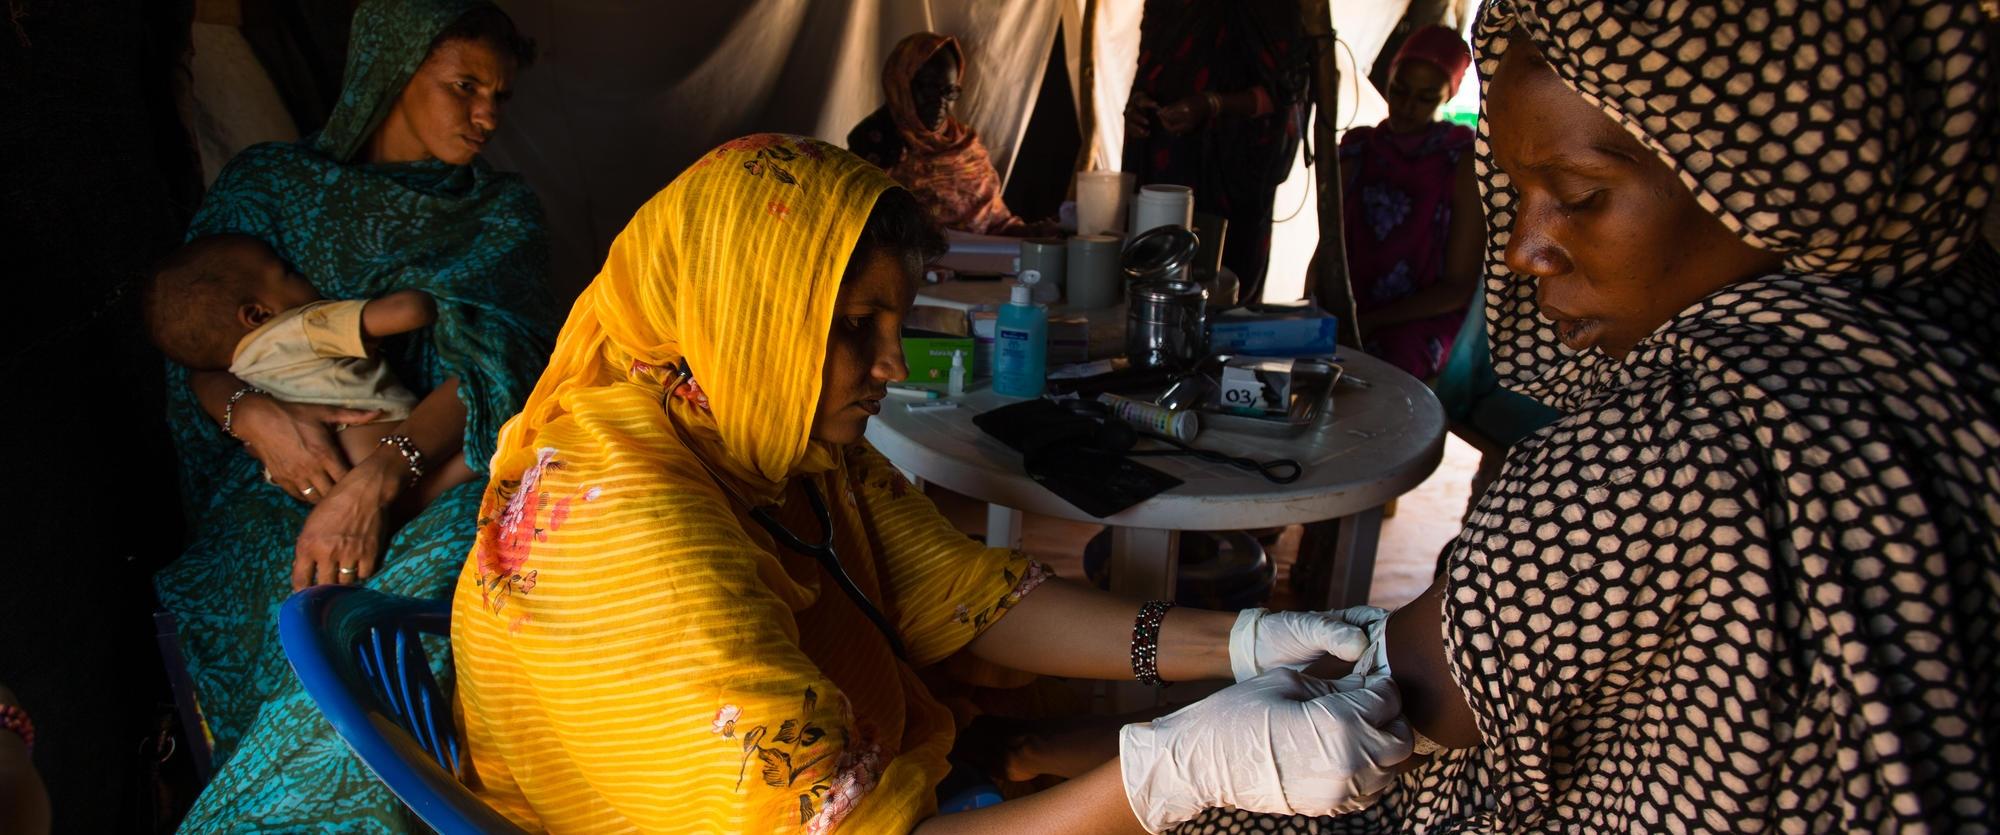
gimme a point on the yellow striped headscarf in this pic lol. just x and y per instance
(733, 267)
(633, 653)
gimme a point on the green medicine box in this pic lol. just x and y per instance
(928, 353)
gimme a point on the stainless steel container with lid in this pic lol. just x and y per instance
(1166, 312)
(1165, 323)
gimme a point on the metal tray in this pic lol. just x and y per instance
(1311, 398)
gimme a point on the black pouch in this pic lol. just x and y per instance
(1076, 456)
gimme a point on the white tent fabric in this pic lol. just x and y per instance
(229, 102)
(1362, 26)
(625, 95)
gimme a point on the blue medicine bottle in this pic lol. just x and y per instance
(1021, 342)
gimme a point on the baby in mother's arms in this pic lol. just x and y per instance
(229, 303)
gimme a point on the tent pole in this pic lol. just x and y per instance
(1330, 286)
(1086, 101)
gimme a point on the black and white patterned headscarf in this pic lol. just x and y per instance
(1751, 582)
(1854, 137)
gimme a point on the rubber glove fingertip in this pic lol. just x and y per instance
(1349, 644)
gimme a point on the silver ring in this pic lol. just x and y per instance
(344, 570)
(307, 491)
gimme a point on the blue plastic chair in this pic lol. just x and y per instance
(1470, 391)
(361, 658)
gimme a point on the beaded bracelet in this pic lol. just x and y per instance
(15, 719)
(1146, 641)
(411, 455)
(229, 411)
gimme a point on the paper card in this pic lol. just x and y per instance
(1255, 385)
(1241, 390)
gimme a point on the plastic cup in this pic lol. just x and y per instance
(1050, 257)
(1096, 277)
(1102, 200)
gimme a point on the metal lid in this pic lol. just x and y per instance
(1160, 251)
(1167, 291)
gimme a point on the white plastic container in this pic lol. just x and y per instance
(1162, 205)
(1103, 199)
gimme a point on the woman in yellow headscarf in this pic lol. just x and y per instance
(699, 599)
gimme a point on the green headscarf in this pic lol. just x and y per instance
(389, 40)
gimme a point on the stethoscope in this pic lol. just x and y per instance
(821, 551)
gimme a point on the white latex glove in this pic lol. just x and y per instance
(1282, 743)
(1262, 640)
(1374, 662)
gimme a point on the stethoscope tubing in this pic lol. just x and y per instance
(822, 552)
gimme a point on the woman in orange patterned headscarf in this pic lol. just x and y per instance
(937, 157)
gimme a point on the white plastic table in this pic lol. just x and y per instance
(1384, 436)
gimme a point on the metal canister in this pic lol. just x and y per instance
(1165, 323)
(1165, 313)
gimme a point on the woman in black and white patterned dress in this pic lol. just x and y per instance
(1751, 582)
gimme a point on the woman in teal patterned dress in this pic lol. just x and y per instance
(391, 195)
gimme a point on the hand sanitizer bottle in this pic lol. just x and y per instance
(955, 384)
(1021, 342)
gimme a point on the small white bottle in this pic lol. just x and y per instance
(955, 385)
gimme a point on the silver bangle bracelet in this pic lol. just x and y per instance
(229, 411)
(411, 455)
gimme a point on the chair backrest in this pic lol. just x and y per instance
(360, 656)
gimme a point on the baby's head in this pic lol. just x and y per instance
(204, 297)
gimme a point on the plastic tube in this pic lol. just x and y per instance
(1179, 424)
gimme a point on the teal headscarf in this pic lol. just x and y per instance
(471, 237)
(386, 45)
